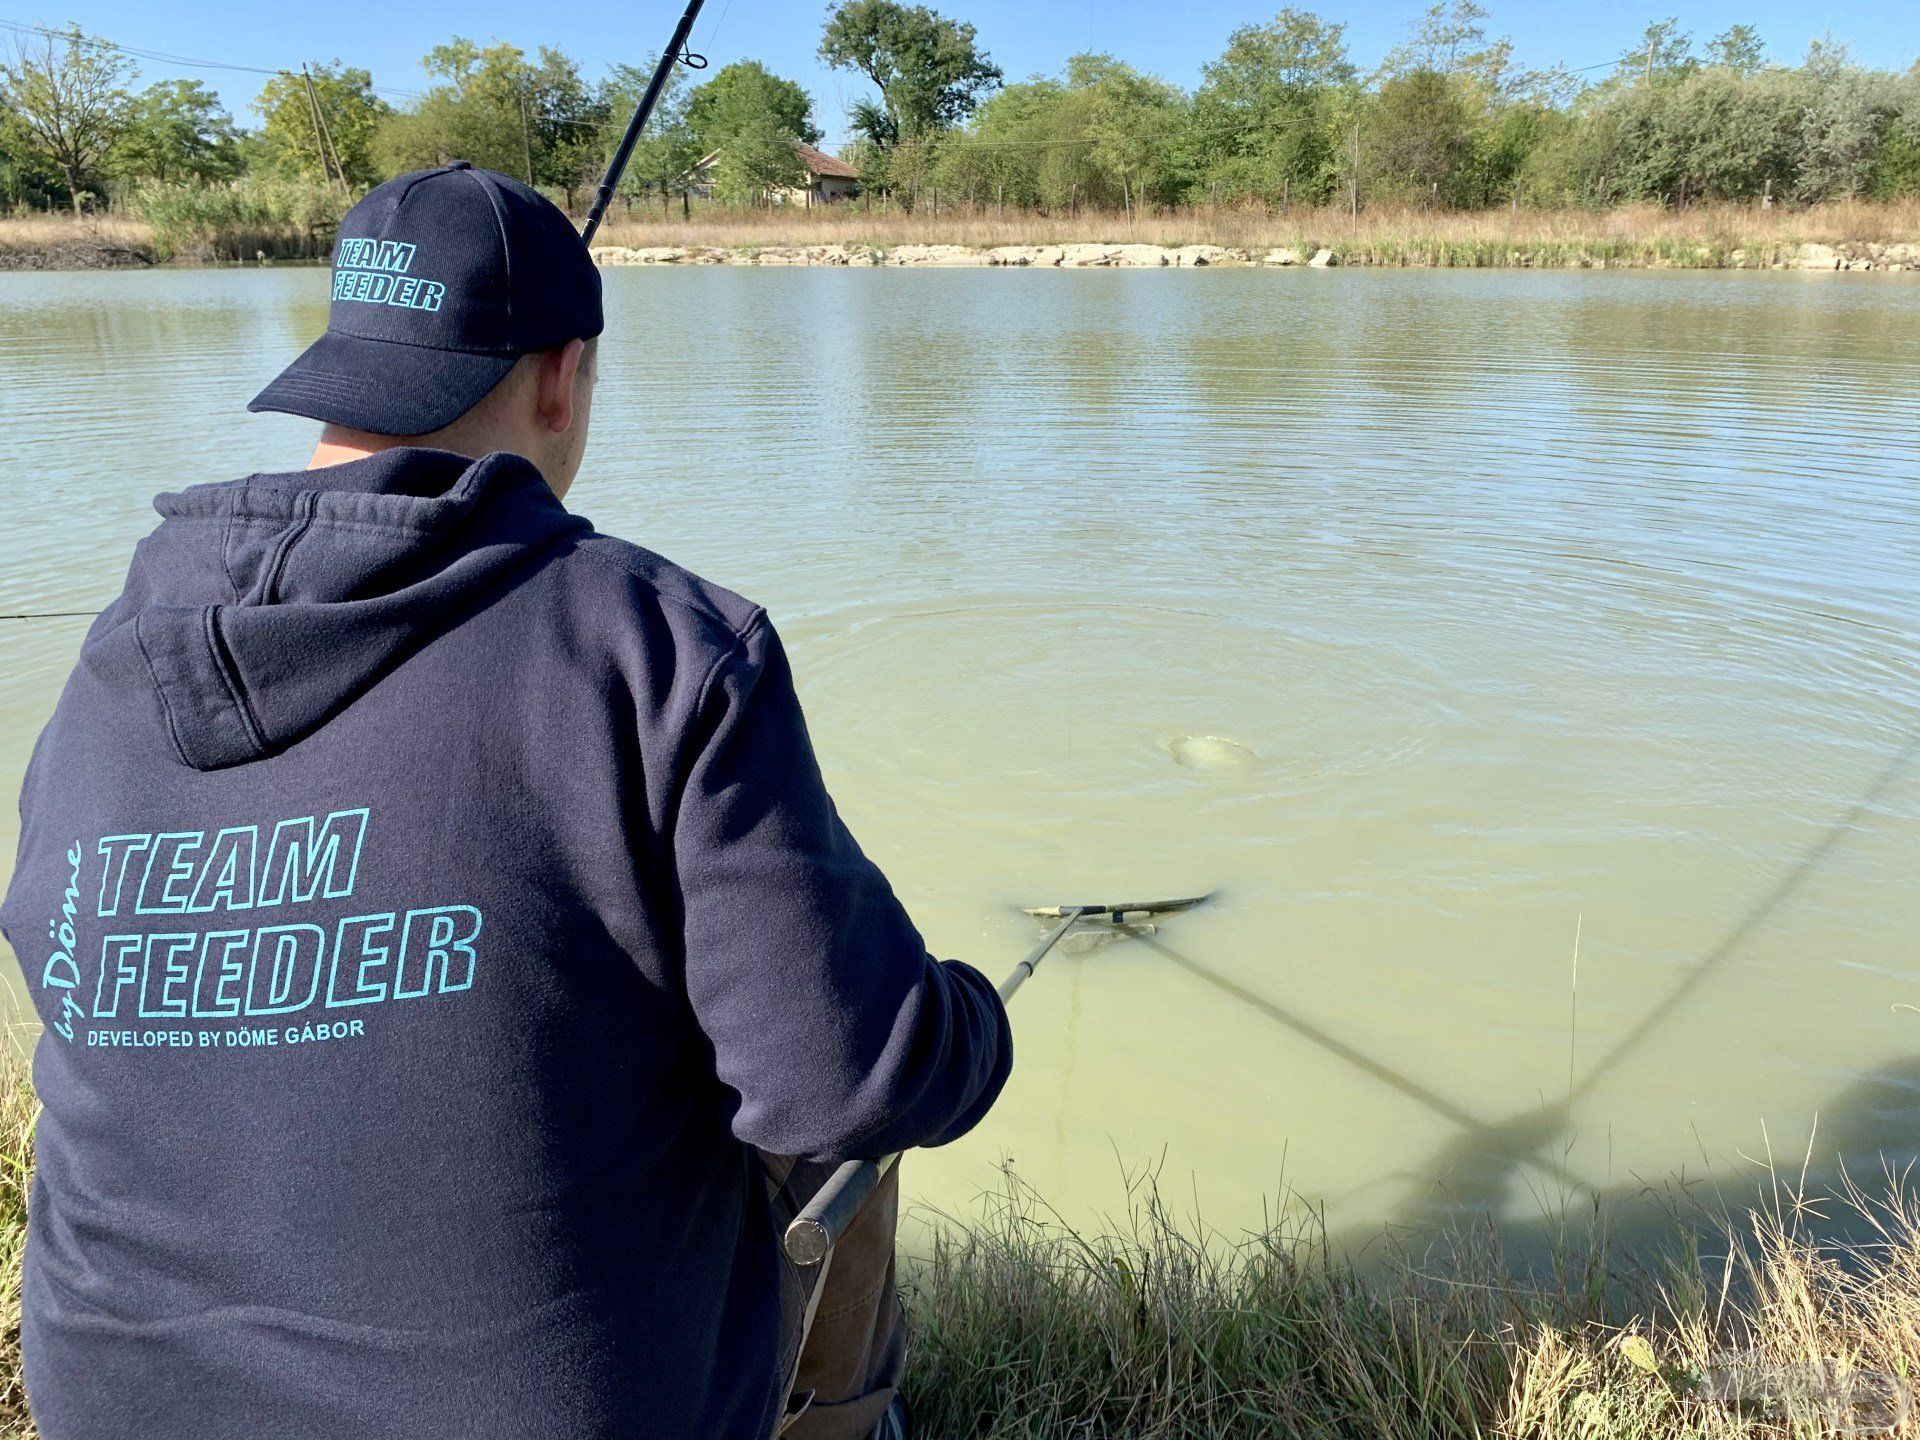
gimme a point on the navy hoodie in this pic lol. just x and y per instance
(431, 905)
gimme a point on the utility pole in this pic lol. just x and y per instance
(526, 136)
(1353, 174)
(339, 170)
(313, 109)
(322, 137)
(1648, 74)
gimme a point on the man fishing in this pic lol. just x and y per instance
(444, 939)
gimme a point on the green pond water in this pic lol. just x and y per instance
(1435, 619)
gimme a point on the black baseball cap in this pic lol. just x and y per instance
(441, 280)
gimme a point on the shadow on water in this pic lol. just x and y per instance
(1866, 1137)
(1480, 1170)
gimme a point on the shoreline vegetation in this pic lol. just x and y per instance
(1840, 235)
(1446, 150)
(1025, 1328)
(1856, 234)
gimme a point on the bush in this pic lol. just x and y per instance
(241, 220)
(1896, 166)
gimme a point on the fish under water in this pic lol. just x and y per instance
(1211, 754)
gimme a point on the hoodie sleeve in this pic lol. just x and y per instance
(840, 1035)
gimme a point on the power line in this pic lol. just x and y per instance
(21, 28)
(191, 62)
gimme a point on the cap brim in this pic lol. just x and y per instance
(382, 387)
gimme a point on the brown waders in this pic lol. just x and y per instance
(855, 1351)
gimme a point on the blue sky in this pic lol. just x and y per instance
(1023, 36)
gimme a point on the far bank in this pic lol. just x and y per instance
(1844, 235)
(1897, 257)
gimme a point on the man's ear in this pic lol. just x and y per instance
(553, 388)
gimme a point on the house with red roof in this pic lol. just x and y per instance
(828, 178)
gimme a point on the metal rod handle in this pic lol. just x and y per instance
(818, 1228)
(814, 1232)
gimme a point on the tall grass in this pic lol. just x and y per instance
(1628, 234)
(292, 220)
(64, 241)
(19, 1109)
(1024, 1328)
(241, 220)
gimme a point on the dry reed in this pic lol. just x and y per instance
(1382, 235)
(1702, 236)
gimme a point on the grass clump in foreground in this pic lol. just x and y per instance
(1026, 1329)
(19, 1109)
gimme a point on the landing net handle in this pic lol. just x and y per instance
(818, 1228)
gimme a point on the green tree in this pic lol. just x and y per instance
(748, 118)
(571, 122)
(1664, 49)
(1265, 113)
(26, 176)
(1847, 112)
(1896, 167)
(665, 155)
(1896, 164)
(178, 130)
(930, 71)
(1569, 156)
(747, 97)
(1493, 112)
(1739, 48)
(1494, 165)
(1132, 124)
(536, 120)
(755, 164)
(1418, 136)
(1736, 131)
(1451, 40)
(1023, 147)
(1698, 131)
(69, 95)
(286, 143)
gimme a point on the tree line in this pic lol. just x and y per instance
(1282, 116)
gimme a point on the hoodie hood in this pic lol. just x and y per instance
(261, 608)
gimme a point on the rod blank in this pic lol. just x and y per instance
(669, 57)
(814, 1232)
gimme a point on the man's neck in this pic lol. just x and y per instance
(339, 445)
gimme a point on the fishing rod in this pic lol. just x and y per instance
(676, 53)
(814, 1232)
